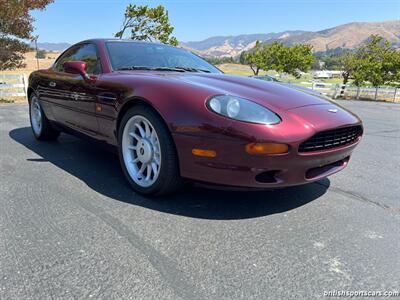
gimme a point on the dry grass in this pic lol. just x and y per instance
(31, 65)
(237, 69)
(13, 100)
(244, 70)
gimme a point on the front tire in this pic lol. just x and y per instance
(40, 125)
(147, 153)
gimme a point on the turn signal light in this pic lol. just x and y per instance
(205, 153)
(267, 148)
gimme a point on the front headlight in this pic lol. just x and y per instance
(241, 109)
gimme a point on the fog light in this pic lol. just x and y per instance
(266, 148)
(203, 152)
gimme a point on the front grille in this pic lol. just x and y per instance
(330, 139)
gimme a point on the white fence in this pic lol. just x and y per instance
(390, 94)
(13, 85)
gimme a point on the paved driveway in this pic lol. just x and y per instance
(70, 227)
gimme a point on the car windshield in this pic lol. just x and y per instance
(146, 56)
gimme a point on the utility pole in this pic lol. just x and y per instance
(35, 38)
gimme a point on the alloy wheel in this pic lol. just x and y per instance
(141, 151)
(36, 116)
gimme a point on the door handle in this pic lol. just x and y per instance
(52, 84)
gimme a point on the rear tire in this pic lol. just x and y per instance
(147, 152)
(41, 127)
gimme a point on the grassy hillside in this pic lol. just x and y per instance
(243, 70)
(237, 69)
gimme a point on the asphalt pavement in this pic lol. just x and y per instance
(70, 226)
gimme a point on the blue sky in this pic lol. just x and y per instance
(74, 20)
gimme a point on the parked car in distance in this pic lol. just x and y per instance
(174, 117)
(265, 77)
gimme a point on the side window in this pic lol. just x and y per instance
(86, 53)
(67, 56)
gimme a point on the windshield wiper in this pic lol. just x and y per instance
(190, 69)
(173, 69)
(134, 68)
(150, 68)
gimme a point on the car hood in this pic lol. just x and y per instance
(269, 94)
(273, 95)
(300, 88)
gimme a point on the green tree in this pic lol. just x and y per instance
(242, 58)
(148, 24)
(218, 60)
(331, 62)
(254, 58)
(290, 60)
(318, 64)
(394, 69)
(16, 25)
(332, 58)
(40, 53)
(347, 64)
(375, 62)
(296, 59)
(276, 56)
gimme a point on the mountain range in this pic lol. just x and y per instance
(349, 35)
(57, 47)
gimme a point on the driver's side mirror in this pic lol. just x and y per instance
(76, 67)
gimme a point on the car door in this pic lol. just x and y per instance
(74, 98)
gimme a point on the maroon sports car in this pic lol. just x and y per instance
(173, 116)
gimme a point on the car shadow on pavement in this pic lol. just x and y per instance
(100, 170)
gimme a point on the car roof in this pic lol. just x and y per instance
(103, 40)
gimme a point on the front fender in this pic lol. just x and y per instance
(181, 106)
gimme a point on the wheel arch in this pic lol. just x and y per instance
(30, 91)
(134, 101)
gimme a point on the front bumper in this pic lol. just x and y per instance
(234, 167)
